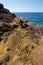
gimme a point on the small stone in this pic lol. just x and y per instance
(8, 49)
(24, 25)
(7, 58)
(15, 26)
(1, 62)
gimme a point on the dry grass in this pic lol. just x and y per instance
(17, 45)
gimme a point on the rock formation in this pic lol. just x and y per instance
(18, 40)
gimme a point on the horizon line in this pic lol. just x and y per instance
(26, 12)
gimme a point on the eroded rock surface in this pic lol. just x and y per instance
(17, 39)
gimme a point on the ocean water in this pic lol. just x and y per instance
(34, 18)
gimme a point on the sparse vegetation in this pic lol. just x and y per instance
(17, 40)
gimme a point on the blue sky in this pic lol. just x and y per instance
(23, 5)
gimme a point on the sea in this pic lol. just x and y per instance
(34, 18)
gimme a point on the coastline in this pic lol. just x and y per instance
(36, 27)
(18, 40)
(34, 18)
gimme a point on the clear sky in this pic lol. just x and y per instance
(23, 5)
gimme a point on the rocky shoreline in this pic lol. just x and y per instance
(19, 40)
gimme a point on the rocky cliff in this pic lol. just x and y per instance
(18, 40)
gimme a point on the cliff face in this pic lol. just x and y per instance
(17, 39)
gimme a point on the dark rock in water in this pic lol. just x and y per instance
(7, 58)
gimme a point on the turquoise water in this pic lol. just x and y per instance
(35, 18)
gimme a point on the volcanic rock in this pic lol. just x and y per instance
(1, 6)
(17, 40)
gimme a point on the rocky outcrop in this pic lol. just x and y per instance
(18, 39)
(1, 6)
(5, 14)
